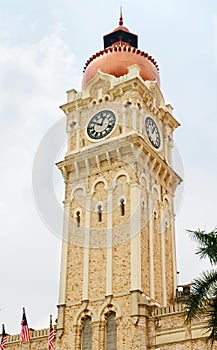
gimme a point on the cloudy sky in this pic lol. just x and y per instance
(43, 48)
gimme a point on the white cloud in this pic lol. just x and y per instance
(33, 79)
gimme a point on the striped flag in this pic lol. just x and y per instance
(51, 336)
(24, 335)
(4, 338)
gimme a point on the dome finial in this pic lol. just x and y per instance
(121, 17)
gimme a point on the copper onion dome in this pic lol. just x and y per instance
(120, 52)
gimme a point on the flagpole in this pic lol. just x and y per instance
(49, 332)
(51, 335)
(25, 333)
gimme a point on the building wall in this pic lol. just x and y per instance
(119, 263)
(157, 328)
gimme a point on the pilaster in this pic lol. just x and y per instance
(163, 271)
(109, 245)
(151, 243)
(63, 269)
(135, 236)
(86, 248)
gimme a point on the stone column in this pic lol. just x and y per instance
(163, 271)
(63, 269)
(135, 235)
(109, 242)
(86, 248)
(151, 243)
(172, 218)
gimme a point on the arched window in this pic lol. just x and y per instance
(111, 332)
(122, 207)
(86, 337)
(78, 218)
(99, 208)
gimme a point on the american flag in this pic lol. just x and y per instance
(24, 335)
(51, 336)
(4, 338)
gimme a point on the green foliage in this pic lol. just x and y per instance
(202, 301)
(207, 244)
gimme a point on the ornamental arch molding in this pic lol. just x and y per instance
(144, 184)
(155, 192)
(76, 188)
(97, 181)
(84, 311)
(155, 195)
(109, 307)
(119, 174)
(143, 178)
(167, 202)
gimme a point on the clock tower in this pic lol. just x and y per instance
(118, 249)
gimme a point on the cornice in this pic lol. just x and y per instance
(132, 145)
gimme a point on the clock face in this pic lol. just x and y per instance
(101, 124)
(152, 132)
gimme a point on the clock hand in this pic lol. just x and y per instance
(102, 120)
(98, 123)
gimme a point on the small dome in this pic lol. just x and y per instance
(120, 52)
(125, 29)
(116, 59)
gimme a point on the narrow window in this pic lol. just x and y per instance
(82, 142)
(155, 221)
(122, 207)
(99, 213)
(139, 105)
(111, 332)
(86, 337)
(78, 218)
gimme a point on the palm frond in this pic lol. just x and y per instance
(212, 317)
(207, 244)
(202, 289)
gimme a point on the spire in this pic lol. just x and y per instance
(121, 17)
(120, 34)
